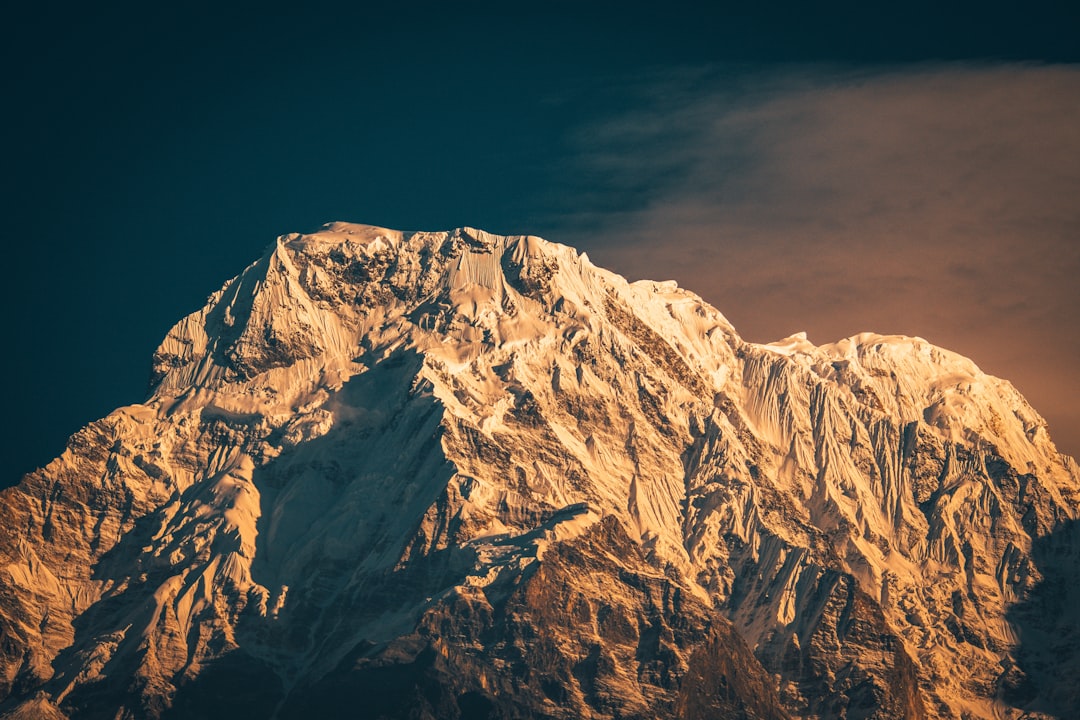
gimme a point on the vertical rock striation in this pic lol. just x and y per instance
(457, 475)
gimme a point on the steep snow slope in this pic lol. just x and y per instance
(487, 478)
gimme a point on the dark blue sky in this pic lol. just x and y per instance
(150, 153)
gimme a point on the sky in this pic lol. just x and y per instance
(909, 170)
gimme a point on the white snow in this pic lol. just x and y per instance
(361, 397)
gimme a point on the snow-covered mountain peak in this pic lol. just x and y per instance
(340, 232)
(482, 464)
(318, 297)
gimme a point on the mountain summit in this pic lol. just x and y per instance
(458, 475)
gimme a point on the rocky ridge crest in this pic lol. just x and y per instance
(463, 475)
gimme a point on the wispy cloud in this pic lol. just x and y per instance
(942, 201)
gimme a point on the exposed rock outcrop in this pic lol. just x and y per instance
(463, 475)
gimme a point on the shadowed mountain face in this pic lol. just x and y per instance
(455, 475)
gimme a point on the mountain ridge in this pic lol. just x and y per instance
(371, 441)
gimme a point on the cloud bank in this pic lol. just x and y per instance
(940, 201)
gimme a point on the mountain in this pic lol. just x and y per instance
(457, 475)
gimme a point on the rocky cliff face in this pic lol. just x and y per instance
(460, 475)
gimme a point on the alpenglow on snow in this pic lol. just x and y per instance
(459, 475)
